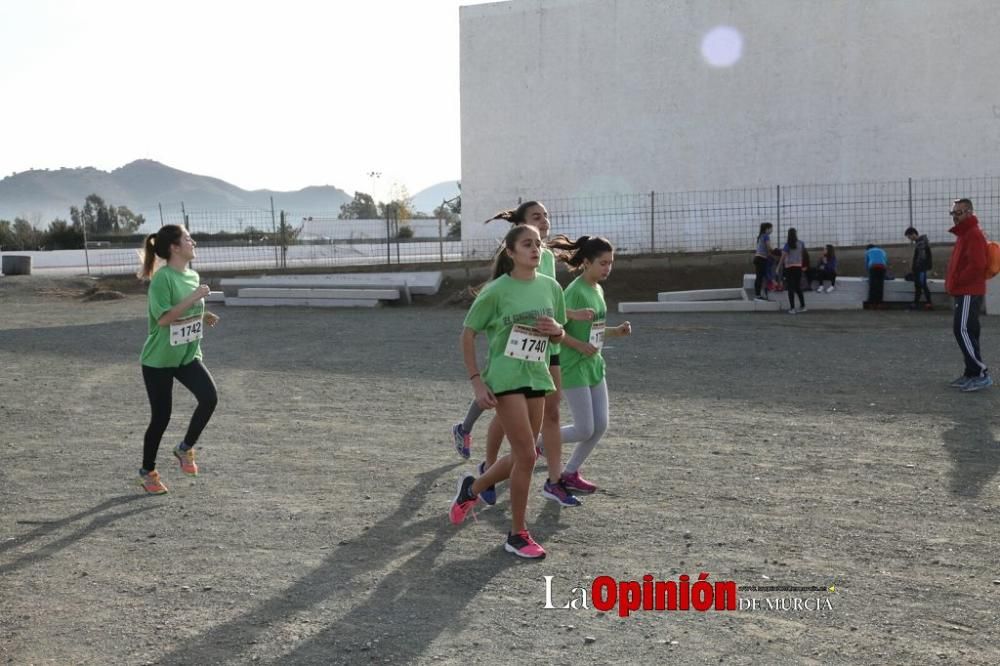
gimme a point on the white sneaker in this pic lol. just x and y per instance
(803, 310)
(830, 288)
(793, 311)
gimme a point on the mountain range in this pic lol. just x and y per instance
(43, 195)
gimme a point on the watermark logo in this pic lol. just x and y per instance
(626, 597)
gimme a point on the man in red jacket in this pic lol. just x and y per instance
(966, 282)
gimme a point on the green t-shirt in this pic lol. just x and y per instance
(500, 305)
(547, 266)
(577, 369)
(168, 288)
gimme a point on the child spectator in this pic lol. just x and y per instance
(921, 265)
(826, 269)
(876, 263)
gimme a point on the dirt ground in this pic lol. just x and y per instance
(818, 450)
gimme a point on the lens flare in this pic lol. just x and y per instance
(722, 46)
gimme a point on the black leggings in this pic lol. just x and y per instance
(160, 387)
(760, 268)
(793, 285)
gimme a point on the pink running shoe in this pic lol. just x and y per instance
(577, 483)
(464, 501)
(522, 545)
(186, 460)
(150, 482)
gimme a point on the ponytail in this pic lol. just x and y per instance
(584, 248)
(514, 215)
(157, 245)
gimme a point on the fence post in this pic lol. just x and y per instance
(652, 222)
(185, 216)
(909, 197)
(777, 227)
(86, 246)
(283, 240)
(388, 240)
(441, 238)
(274, 237)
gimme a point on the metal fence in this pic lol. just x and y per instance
(844, 215)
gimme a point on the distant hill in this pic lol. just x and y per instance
(42, 195)
(425, 201)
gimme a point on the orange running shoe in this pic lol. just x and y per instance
(186, 459)
(150, 481)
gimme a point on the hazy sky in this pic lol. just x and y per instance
(275, 94)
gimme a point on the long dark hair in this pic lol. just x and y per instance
(830, 254)
(503, 263)
(515, 215)
(158, 245)
(793, 238)
(584, 248)
(765, 227)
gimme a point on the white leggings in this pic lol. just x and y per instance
(589, 405)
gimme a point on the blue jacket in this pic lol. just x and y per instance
(876, 257)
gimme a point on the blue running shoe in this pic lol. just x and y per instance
(490, 494)
(978, 384)
(960, 382)
(557, 491)
(463, 441)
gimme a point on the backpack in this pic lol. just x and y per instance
(992, 259)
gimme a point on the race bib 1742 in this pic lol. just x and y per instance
(185, 331)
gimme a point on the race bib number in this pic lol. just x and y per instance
(183, 332)
(527, 344)
(597, 334)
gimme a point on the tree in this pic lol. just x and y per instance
(63, 236)
(361, 208)
(399, 207)
(128, 222)
(451, 212)
(25, 235)
(104, 219)
(6, 235)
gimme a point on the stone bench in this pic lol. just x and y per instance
(310, 297)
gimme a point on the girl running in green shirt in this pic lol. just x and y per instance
(521, 313)
(176, 309)
(533, 214)
(584, 384)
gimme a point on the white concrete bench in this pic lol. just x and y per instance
(418, 282)
(237, 301)
(329, 294)
(852, 292)
(700, 306)
(312, 298)
(734, 294)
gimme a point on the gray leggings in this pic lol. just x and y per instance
(475, 411)
(589, 405)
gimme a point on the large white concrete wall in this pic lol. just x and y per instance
(564, 98)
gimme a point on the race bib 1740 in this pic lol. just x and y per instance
(185, 331)
(526, 344)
